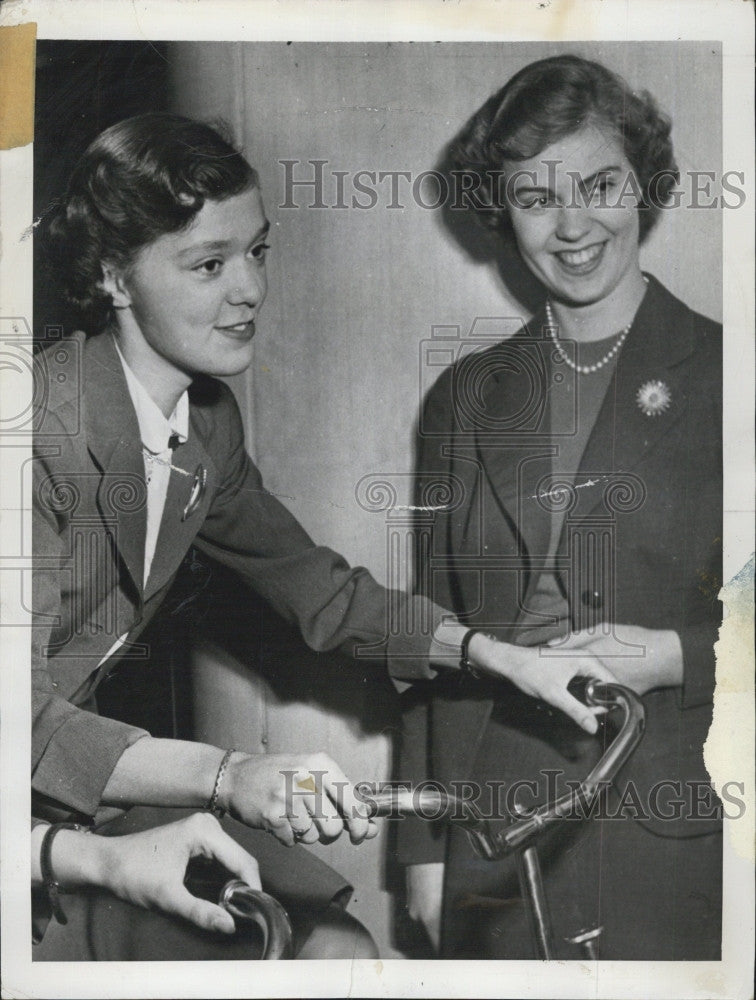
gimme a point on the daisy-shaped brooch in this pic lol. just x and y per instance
(653, 398)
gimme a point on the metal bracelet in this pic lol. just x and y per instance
(465, 663)
(45, 863)
(212, 803)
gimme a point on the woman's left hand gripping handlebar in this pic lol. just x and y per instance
(544, 672)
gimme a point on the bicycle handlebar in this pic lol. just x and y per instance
(207, 879)
(492, 844)
(251, 905)
(254, 906)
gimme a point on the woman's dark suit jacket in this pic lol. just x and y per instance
(89, 524)
(650, 487)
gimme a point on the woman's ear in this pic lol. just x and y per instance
(113, 285)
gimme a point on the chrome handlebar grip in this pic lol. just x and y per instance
(438, 803)
(630, 734)
(613, 696)
(253, 906)
(399, 799)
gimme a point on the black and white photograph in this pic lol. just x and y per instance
(377, 532)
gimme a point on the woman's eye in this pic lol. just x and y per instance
(539, 201)
(598, 191)
(258, 252)
(209, 267)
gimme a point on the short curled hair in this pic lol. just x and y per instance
(548, 100)
(139, 179)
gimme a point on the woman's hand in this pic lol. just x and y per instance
(148, 868)
(302, 797)
(544, 672)
(640, 658)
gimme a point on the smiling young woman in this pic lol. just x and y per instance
(588, 447)
(187, 303)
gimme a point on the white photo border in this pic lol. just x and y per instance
(731, 741)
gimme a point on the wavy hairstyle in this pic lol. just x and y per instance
(139, 179)
(550, 99)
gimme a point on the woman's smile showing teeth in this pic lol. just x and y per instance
(581, 261)
(242, 331)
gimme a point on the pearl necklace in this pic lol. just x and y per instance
(584, 369)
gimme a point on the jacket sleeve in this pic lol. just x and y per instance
(703, 612)
(74, 751)
(703, 517)
(333, 604)
(419, 841)
(699, 665)
(701, 630)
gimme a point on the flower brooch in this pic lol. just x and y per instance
(653, 398)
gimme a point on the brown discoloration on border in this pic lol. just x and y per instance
(17, 63)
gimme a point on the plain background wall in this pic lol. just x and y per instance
(337, 379)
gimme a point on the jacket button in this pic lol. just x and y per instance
(592, 599)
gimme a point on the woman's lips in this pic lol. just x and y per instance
(581, 261)
(239, 331)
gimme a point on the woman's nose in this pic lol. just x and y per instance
(573, 223)
(248, 284)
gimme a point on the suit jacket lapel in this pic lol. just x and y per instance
(652, 358)
(512, 420)
(113, 440)
(512, 431)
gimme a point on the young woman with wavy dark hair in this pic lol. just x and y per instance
(589, 446)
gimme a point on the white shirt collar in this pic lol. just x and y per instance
(154, 429)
